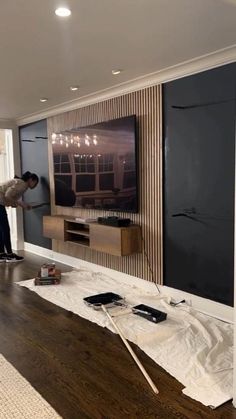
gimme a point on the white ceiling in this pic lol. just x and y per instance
(42, 55)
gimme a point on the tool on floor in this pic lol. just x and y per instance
(105, 300)
(149, 313)
(48, 275)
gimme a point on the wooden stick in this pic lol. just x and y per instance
(141, 367)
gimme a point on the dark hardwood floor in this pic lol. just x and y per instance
(81, 369)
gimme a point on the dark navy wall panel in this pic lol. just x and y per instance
(34, 157)
(199, 138)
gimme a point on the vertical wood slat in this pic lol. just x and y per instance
(146, 104)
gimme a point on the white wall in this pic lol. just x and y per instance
(9, 166)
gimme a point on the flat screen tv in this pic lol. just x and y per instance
(95, 167)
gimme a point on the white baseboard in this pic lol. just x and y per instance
(40, 251)
(209, 307)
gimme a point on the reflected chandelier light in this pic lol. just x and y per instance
(75, 140)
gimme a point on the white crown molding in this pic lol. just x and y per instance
(196, 65)
(209, 307)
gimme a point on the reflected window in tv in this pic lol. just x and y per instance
(106, 163)
(129, 180)
(106, 182)
(62, 163)
(85, 183)
(67, 180)
(84, 164)
(98, 162)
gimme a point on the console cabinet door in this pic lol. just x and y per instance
(117, 241)
(105, 239)
(54, 227)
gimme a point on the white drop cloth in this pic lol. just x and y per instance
(194, 348)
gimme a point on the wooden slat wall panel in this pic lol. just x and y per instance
(146, 104)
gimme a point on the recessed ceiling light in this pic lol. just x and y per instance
(43, 99)
(115, 72)
(63, 12)
(74, 88)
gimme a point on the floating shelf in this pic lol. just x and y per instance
(117, 241)
(78, 232)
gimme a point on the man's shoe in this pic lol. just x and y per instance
(12, 257)
(3, 257)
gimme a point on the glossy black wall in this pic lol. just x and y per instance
(199, 138)
(34, 157)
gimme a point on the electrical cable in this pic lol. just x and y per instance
(149, 264)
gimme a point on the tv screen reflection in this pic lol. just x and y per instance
(95, 166)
